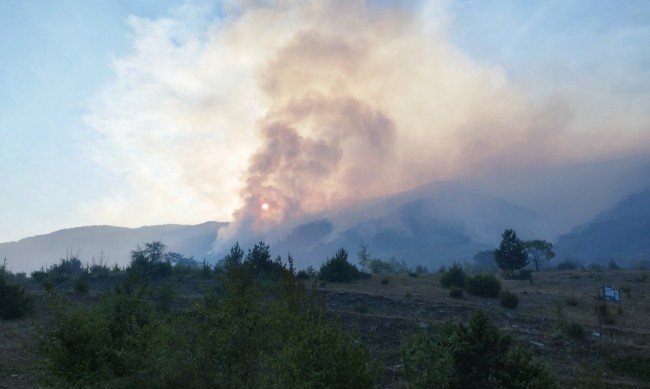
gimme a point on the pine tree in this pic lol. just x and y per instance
(511, 254)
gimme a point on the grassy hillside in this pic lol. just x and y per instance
(387, 309)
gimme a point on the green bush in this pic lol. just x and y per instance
(81, 284)
(454, 276)
(253, 333)
(483, 285)
(455, 292)
(302, 275)
(149, 262)
(574, 330)
(508, 299)
(338, 269)
(14, 302)
(473, 356)
(637, 366)
(98, 345)
(377, 265)
(68, 267)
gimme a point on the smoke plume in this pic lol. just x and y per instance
(278, 110)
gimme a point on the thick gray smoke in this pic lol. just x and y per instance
(311, 148)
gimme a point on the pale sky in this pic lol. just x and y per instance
(136, 112)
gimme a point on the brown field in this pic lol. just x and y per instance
(383, 314)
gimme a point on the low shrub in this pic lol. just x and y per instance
(478, 355)
(637, 366)
(14, 302)
(81, 284)
(338, 269)
(377, 265)
(456, 292)
(483, 285)
(385, 280)
(237, 338)
(302, 275)
(454, 276)
(508, 299)
(574, 330)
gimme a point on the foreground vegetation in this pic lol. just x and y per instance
(250, 321)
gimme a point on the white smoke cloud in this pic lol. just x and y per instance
(304, 105)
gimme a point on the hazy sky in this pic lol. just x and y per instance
(146, 112)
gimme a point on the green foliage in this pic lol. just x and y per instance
(99, 270)
(574, 330)
(259, 260)
(165, 297)
(338, 269)
(254, 333)
(101, 344)
(637, 366)
(307, 274)
(539, 249)
(302, 275)
(454, 276)
(363, 256)
(14, 302)
(473, 356)
(67, 268)
(378, 266)
(233, 260)
(511, 254)
(81, 284)
(149, 262)
(456, 292)
(483, 285)
(508, 299)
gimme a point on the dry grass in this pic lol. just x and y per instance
(413, 302)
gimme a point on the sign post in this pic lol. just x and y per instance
(609, 294)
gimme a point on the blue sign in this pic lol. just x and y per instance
(611, 294)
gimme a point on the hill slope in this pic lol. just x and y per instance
(430, 225)
(112, 243)
(622, 233)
